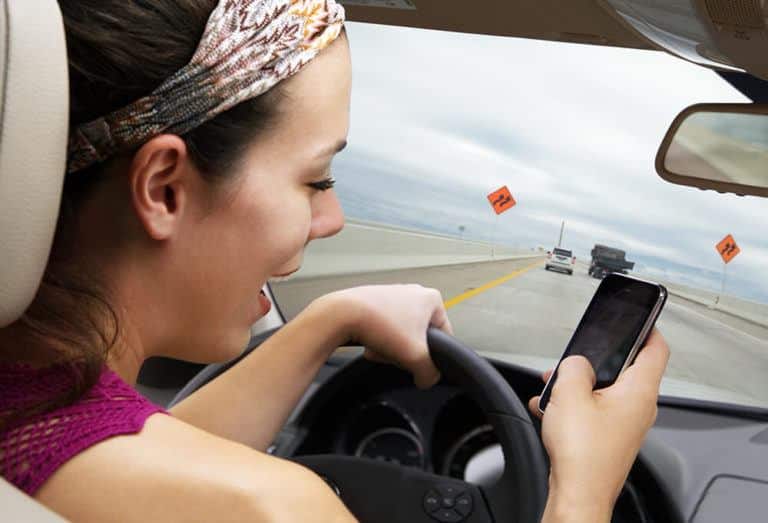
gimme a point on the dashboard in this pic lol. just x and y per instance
(440, 432)
(374, 412)
(702, 462)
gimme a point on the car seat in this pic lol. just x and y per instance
(34, 111)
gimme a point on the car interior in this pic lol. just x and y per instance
(391, 451)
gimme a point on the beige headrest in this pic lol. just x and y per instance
(34, 111)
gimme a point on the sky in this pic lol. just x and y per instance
(439, 120)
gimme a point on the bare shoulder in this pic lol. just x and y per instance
(172, 471)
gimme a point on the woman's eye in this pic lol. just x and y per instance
(324, 185)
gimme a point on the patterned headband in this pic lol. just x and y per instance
(248, 47)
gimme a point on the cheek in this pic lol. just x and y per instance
(289, 234)
(265, 226)
(285, 230)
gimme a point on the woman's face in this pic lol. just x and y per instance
(227, 251)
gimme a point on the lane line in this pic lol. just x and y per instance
(490, 285)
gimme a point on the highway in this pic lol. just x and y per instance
(516, 308)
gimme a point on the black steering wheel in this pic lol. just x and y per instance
(380, 492)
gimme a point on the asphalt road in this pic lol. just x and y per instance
(534, 313)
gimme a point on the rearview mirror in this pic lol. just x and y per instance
(723, 147)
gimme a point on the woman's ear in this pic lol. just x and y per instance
(160, 182)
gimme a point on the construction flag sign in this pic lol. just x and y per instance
(501, 200)
(728, 248)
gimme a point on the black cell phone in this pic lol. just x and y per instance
(615, 326)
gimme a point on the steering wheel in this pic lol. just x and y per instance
(381, 492)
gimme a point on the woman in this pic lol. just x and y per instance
(199, 167)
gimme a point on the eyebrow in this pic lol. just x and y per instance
(334, 149)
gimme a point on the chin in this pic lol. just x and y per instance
(225, 348)
(239, 342)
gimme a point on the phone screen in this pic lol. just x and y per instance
(610, 327)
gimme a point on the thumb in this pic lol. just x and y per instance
(574, 378)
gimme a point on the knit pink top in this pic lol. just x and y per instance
(33, 449)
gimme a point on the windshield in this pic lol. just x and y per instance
(443, 122)
(561, 252)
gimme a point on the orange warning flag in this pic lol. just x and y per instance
(728, 248)
(501, 200)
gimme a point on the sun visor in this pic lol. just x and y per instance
(721, 34)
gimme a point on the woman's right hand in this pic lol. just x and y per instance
(593, 437)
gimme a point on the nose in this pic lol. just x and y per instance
(327, 216)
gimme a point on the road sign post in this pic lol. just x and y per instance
(722, 284)
(493, 237)
(501, 200)
(728, 250)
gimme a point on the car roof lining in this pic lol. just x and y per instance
(576, 21)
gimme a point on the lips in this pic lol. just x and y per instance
(266, 305)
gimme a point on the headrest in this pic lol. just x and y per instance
(34, 112)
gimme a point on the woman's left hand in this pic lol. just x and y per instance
(391, 321)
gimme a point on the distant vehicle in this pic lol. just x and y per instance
(560, 260)
(606, 260)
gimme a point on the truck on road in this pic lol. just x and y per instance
(606, 260)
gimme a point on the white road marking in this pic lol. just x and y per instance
(718, 322)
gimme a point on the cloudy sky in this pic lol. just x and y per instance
(439, 120)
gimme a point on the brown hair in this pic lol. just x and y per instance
(119, 51)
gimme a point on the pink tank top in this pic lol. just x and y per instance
(34, 448)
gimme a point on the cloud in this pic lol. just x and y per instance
(441, 119)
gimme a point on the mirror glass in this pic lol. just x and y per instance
(725, 147)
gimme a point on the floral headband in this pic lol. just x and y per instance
(248, 47)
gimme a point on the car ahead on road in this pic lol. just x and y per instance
(560, 260)
(704, 460)
(607, 260)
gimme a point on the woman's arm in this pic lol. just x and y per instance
(563, 509)
(171, 471)
(593, 437)
(251, 401)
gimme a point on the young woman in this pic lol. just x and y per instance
(199, 167)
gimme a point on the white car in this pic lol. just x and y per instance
(560, 260)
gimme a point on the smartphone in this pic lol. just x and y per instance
(615, 326)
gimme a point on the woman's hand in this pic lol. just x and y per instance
(593, 437)
(391, 321)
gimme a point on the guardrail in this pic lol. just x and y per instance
(753, 312)
(750, 311)
(364, 247)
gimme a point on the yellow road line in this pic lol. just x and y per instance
(488, 286)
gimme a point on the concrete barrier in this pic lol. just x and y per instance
(363, 247)
(750, 311)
